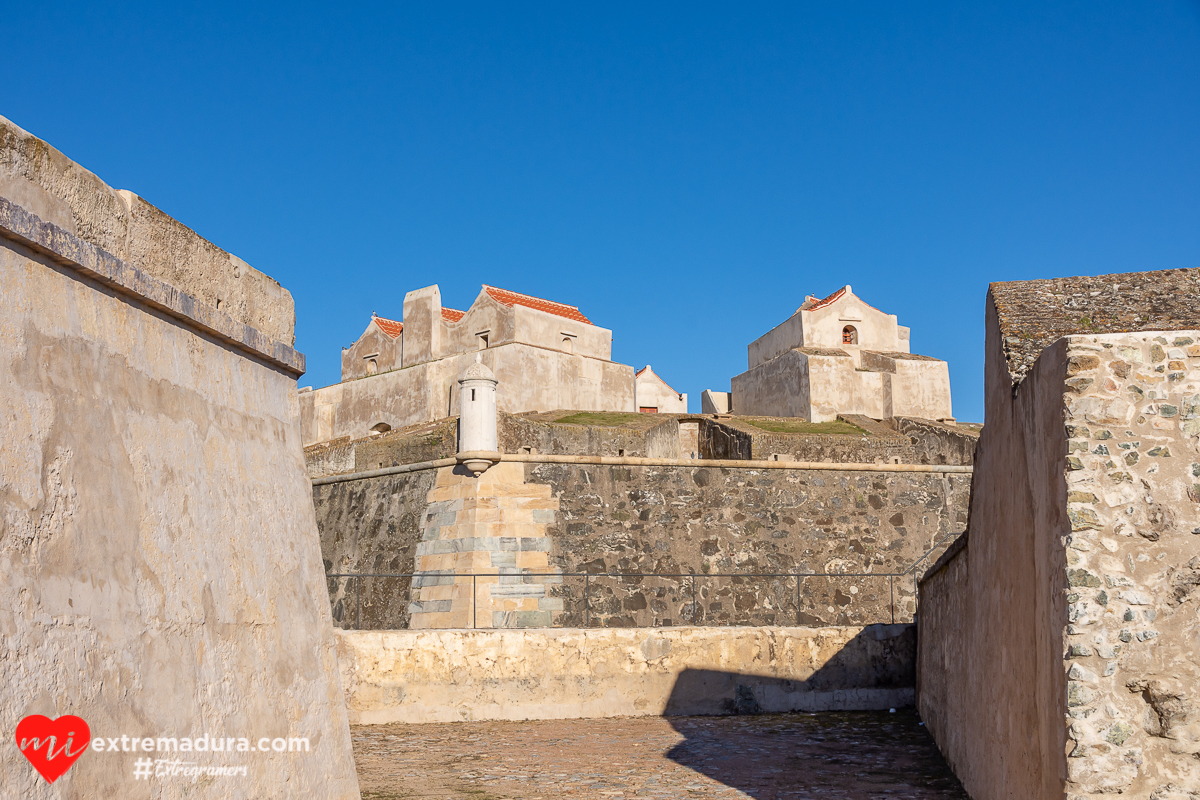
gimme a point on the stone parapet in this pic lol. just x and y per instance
(565, 673)
(67, 250)
(36, 176)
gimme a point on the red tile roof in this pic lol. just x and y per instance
(822, 303)
(505, 297)
(388, 326)
(452, 315)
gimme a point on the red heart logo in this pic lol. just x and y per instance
(49, 744)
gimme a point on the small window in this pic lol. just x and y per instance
(372, 366)
(472, 395)
(483, 341)
(380, 427)
(568, 344)
(648, 409)
(849, 335)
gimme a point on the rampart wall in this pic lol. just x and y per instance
(734, 437)
(455, 675)
(672, 518)
(159, 566)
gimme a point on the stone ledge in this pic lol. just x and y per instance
(71, 252)
(626, 461)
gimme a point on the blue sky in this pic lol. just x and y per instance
(685, 173)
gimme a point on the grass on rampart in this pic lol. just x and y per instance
(836, 428)
(608, 419)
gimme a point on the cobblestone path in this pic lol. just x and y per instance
(848, 756)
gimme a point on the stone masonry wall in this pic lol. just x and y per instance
(700, 520)
(372, 525)
(1032, 315)
(517, 434)
(484, 557)
(910, 441)
(710, 520)
(1133, 570)
(1058, 648)
(936, 443)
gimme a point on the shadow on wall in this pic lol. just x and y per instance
(876, 670)
(860, 738)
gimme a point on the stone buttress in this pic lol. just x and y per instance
(494, 527)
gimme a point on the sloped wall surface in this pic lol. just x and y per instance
(160, 574)
(1057, 650)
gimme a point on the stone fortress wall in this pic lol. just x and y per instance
(154, 471)
(677, 518)
(905, 441)
(160, 564)
(1057, 650)
(375, 506)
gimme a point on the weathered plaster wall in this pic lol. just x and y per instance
(822, 328)
(779, 387)
(160, 569)
(998, 702)
(431, 336)
(813, 384)
(530, 379)
(449, 676)
(39, 178)
(874, 329)
(819, 384)
(715, 402)
(374, 352)
(913, 385)
(806, 367)
(651, 391)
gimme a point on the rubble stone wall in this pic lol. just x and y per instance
(680, 521)
(731, 437)
(936, 443)
(1058, 647)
